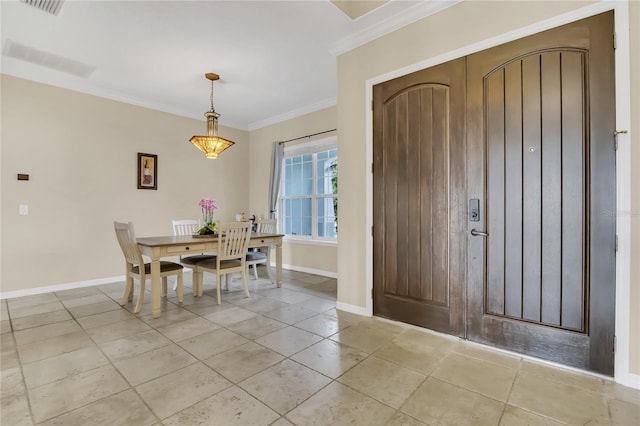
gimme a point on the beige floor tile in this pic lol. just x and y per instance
(265, 305)
(291, 314)
(95, 308)
(4, 311)
(59, 397)
(14, 410)
(152, 364)
(440, 403)
(212, 343)
(322, 325)
(383, 381)
(204, 310)
(362, 337)
(86, 300)
(289, 340)
(514, 416)
(313, 279)
(624, 413)
(476, 351)
(168, 318)
(289, 296)
(285, 385)
(424, 337)
(243, 361)
(317, 304)
(5, 326)
(401, 419)
(77, 293)
(165, 306)
(54, 346)
(568, 377)
(12, 382)
(117, 330)
(187, 329)
(232, 406)
(329, 358)
(134, 345)
(124, 408)
(343, 317)
(176, 391)
(339, 405)
(623, 393)
(36, 334)
(40, 319)
(557, 400)
(105, 318)
(31, 301)
(256, 327)
(487, 378)
(282, 422)
(60, 366)
(230, 316)
(8, 353)
(414, 354)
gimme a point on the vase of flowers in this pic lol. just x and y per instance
(208, 206)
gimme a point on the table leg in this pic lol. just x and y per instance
(279, 265)
(155, 287)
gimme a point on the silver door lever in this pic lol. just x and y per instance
(478, 233)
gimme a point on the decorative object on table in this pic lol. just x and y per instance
(211, 144)
(208, 206)
(147, 171)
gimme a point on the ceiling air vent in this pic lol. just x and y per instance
(49, 6)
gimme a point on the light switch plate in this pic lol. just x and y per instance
(23, 209)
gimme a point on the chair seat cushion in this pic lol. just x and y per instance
(253, 256)
(164, 267)
(211, 264)
(192, 260)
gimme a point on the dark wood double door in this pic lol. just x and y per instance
(494, 183)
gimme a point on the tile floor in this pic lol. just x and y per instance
(285, 356)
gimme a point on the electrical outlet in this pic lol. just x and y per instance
(23, 209)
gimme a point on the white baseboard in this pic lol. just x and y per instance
(358, 310)
(59, 287)
(309, 270)
(628, 379)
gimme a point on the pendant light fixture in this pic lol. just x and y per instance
(212, 144)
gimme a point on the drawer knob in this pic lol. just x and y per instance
(262, 241)
(186, 248)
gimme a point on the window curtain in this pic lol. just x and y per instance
(276, 171)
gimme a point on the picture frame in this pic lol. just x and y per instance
(147, 171)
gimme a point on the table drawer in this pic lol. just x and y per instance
(186, 248)
(267, 241)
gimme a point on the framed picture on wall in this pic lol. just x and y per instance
(147, 171)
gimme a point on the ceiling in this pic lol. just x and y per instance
(276, 59)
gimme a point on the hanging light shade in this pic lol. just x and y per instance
(211, 144)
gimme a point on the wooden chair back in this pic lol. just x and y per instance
(267, 226)
(233, 240)
(185, 226)
(127, 239)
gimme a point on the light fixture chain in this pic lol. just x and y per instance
(212, 109)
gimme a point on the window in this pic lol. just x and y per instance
(309, 191)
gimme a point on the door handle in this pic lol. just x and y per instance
(479, 233)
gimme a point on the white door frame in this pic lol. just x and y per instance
(623, 159)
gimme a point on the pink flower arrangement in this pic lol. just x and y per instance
(208, 205)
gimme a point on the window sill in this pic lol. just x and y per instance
(294, 240)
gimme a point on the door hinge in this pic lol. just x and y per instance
(615, 342)
(616, 243)
(371, 104)
(371, 168)
(372, 230)
(615, 41)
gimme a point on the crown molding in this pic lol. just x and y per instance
(393, 23)
(293, 114)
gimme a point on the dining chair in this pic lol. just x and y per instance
(189, 227)
(137, 268)
(233, 242)
(255, 257)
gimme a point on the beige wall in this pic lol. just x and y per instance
(80, 152)
(318, 257)
(460, 26)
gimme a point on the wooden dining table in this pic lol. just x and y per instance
(177, 245)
